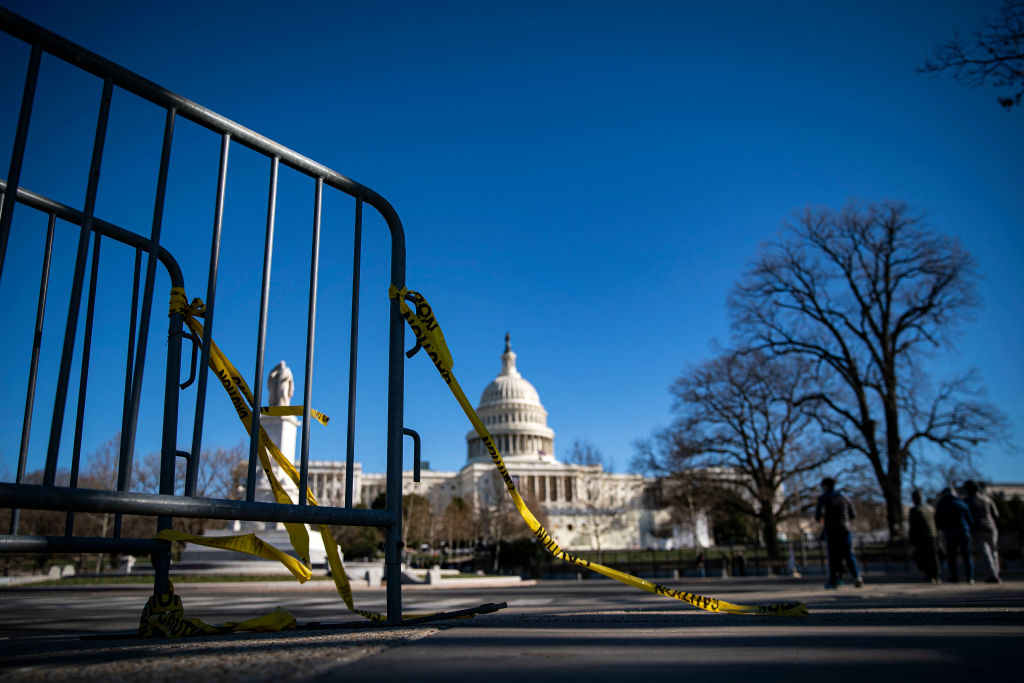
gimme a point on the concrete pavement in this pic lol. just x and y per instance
(595, 629)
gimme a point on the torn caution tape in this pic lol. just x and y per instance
(280, 411)
(250, 544)
(430, 339)
(164, 616)
(268, 452)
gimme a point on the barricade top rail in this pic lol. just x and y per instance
(75, 54)
(74, 216)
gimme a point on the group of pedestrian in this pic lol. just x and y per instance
(961, 521)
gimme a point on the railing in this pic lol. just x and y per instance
(51, 494)
(808, 559)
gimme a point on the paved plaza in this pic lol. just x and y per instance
(597, 629)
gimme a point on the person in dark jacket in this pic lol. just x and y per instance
(834, 511)
(954, 519)
(924, 538)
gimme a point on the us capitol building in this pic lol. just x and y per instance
(586, 507)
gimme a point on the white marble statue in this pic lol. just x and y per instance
(281, 385)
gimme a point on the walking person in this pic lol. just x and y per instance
(924, 538)
(954, 519)
(984, 530)
(834, 512)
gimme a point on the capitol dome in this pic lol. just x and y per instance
(512, 412)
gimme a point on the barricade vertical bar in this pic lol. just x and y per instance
(168, 444)
(257, 387)
(83, 382)
(37, 342)
(130, 359)
(128, 443)
(192, 473)
(60, 401)
(169, 440)
(314, 270)
(18, 151)
(353, 356)
(396, 417)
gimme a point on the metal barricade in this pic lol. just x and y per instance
(51, 494)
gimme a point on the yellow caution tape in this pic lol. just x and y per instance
(243, 543)
(278, 619)
(428, 336)
(294, 410)
(164, 616)
(242, 399)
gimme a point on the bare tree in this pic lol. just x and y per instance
(497, 517)
(221, 474)
(688, 494)
(417, 521)
(993, 55)
(34, 523)
(100, 473)
(600, 498)
(458, 523)
(868, 293)
(745, 421)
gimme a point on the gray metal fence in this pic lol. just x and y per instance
(66, 496)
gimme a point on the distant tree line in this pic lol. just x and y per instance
(221, 475)
(458, 531)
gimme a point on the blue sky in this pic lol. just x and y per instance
(591, 177)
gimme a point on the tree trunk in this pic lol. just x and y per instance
(99, 558)
(888, 474)
(893, 486)
(892, 489)
(770, 531)
(693, 522)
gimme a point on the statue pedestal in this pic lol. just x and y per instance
(197, 559)
(282, 431)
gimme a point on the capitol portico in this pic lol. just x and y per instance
(587, 507)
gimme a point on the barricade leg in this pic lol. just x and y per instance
(162, 568)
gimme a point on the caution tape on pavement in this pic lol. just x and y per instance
(164, 616)
(429, 337)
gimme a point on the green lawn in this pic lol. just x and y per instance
(143, 579)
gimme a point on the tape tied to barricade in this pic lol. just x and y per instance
(269, 454)
(430, 339)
